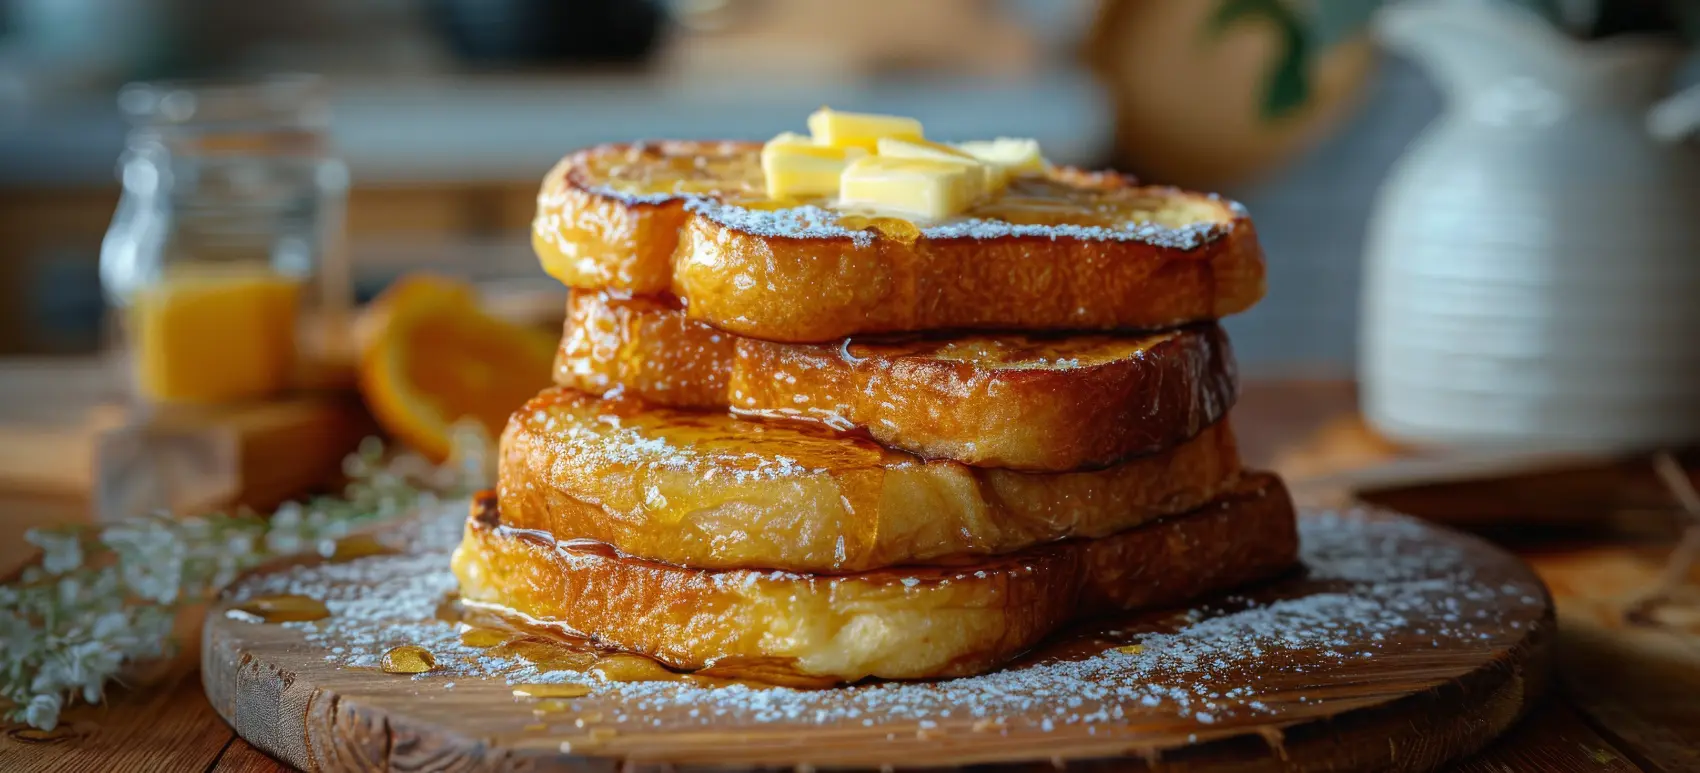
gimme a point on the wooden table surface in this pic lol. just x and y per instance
(1629, 697)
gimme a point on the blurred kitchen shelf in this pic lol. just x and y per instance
(494, 128)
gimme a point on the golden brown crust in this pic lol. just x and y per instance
(643, 347)
(591, 236)
(906, 623)
(713, 491)
(754, 285)
(1036, 403)
(1118, 256)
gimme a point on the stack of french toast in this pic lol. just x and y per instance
(858, 404)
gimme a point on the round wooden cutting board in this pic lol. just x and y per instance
(1398, 646)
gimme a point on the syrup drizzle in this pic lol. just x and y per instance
(894, 228)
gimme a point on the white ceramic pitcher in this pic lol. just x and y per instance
(1533, 264)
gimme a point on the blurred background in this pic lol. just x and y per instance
(1524, 272)
(1481, 221)
(447, 112)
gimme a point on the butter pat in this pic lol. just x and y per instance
(922, 188)
(795, 167)
(860, 130)
(992, 176)
(1014, 156)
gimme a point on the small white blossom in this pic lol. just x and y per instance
(156, 580)
(60, 552)
(69, 589)
(108, 626)
(43, 711)
(239, 543)
(287, 517)
(70, 624)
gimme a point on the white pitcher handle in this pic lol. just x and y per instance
(1676, 117)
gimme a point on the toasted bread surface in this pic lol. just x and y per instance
(1036, 403)
(905, 623)
(644, 347)
(1067, 250)
(714, 491)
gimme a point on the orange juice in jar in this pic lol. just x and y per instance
(215, 336)
(228, 239)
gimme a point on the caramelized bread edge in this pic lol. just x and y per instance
(751, 283)
(982, 613)
(838, 519)
(1060, 419)
(1050, 419)
(593, 238)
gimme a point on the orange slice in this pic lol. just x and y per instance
(430, 357)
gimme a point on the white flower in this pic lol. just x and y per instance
(69, 590)
(109, 626)
(70, 624)
(157, 577)
(239, 544)
(228, 566)
(15, 633)
(283, 537)
(50, 678)
(43, 711)
(60, 551)
(288, 515)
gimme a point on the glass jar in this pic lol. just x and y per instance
(225, 259)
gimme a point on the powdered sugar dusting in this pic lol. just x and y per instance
(815, 222)
(804, 222)
(1378, 592)
(1184, 237)
(630, 198)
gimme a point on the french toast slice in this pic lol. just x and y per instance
(1035, 403)
(1062, 250)
(951, 620)
(715, 491)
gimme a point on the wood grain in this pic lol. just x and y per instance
(162, 728)
(1638, 680)
(1419, 701)
(242, 757)
(1552, 739)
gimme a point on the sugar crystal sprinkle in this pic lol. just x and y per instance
(1371, 581)
(813, 222)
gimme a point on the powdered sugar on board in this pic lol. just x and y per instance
(1381, 600)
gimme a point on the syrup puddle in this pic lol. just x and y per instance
(407, 659)
(286, 608)
(547, 690)
(356, 546)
